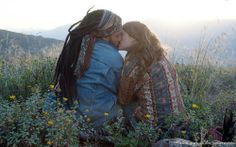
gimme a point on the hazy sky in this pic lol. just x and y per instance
(48, 14)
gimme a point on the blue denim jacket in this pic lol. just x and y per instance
(97, 89)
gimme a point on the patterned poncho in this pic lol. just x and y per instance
(153, 96)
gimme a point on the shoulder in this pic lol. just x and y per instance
(167, 66)
(107, 54)
(162, 70)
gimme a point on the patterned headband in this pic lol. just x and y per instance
(109, 24)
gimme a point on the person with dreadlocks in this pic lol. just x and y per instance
(88, 69)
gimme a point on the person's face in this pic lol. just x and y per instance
(115, 38)
(126, 42)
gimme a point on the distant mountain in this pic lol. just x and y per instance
(187, 34)
(183, 39)
(186, 40)
(57, 33)
(17, 45)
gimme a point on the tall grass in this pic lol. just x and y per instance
(205, 75)
(25, 77)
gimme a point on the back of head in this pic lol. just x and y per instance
(141, 33)
(148, 47)
(147, 41)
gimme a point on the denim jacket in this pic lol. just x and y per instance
(97, 89)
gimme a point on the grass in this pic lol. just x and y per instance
(207, 89)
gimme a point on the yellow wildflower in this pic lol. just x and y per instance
(49, 142)
(65, 99)
(45, 113)
(50, 123)
(51, 86)
(183, 131)
(147, 116)
(105, 113)
(12, 97)
(88, 119)
(195, 106)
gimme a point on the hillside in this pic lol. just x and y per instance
(217, 37)
(16, 45)
(182, 41)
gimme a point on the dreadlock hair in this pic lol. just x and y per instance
(64, 72)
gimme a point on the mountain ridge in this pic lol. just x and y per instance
(218, 37)
(17, 45)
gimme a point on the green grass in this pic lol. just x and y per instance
(23, 79)
(210, 87)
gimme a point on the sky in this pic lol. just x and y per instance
(49, 14)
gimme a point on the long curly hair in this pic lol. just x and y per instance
(147, 49)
